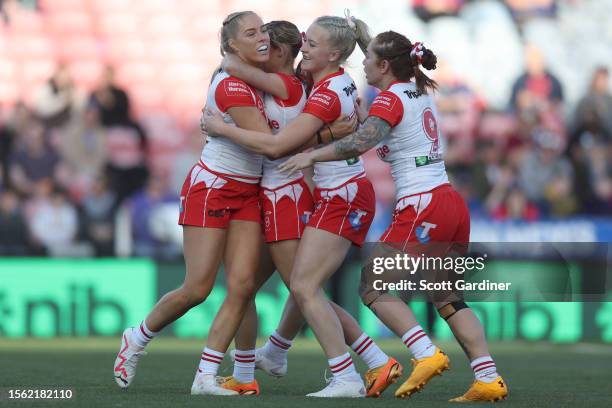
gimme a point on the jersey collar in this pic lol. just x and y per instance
(333, 74)
(396, 82)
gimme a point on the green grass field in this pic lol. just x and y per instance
(538, 375)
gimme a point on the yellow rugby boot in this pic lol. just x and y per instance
(481, 391)
(424, 370)
(379, 378)
(229, 383)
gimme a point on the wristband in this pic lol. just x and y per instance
(331, 134)
(319, 138)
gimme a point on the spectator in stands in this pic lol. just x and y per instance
(515, 207)
(427, 10)
(33, 161)
(545, 175)
(112, 101)
(593, 113)
(127, 161)
(54, 223)
(82, 146)
(186, 158)
(14, 236)
(7, 136)
(460, 110)
(143, 208)
(590, 145)
(99, 217)
(523, 10)
(57, 99)
(536, 90)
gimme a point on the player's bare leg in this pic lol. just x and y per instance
(310, 271)
(241, 260)
(428, 360)
(242, 379)
(203, 249)
(488, 384)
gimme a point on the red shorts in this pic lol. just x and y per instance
(439, 215)
(209, 199)
(286, 210)
(347, 210)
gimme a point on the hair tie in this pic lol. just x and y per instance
(417, 52)
(349, 19)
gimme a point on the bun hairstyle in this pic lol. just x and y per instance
(284, 32)
(229, 29)
(345, 33)
(405, 58)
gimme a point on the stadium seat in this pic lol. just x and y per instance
(119, 24)
(51, 6)
(32, 46)
(26, 22)
(70, 22)
(183, 73)
(111, 6)
(9, 93)
(122, 48)
(86, 72)
(9, 70)
(131, 72)
(78, 47)
(161, 25)
(37, 70)
(171, 48)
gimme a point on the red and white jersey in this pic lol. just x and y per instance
(220, 154)
(414, 147)
(280, 112)
(331, 97)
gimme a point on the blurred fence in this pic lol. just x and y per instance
(60, 297)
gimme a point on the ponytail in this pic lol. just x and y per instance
(406, 58)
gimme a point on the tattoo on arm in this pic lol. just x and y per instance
(373, 131)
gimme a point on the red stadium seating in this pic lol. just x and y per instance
(70, 22)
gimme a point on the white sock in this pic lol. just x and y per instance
(210, 361)
(419, 343)
(369, 351)
(244, 366)
(276, 347)
(142, 335)
(342, 366)
(484, 369)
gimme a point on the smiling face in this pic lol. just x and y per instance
(251, 41)
(317, 53)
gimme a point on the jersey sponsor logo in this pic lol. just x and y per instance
(305, 217)
(324, 100)
(349, 90)
(383, 151)
(385, 102)
(355, 219)
(422, 232)
(413, 94)
(216, 213)
(235, 88)
(430, 127)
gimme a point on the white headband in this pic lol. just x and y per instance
(349, 19)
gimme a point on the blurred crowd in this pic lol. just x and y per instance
(77, 179)
(70, 164)
(530, 161)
